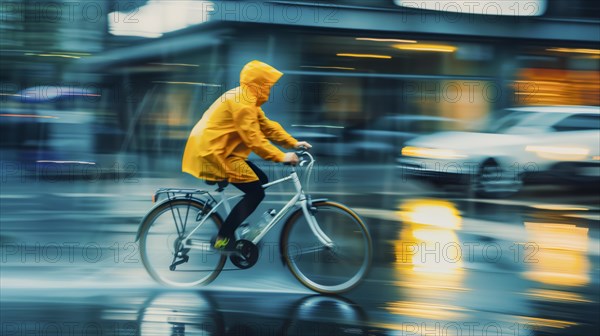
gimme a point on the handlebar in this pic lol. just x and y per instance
(306, 159)
(302, 153)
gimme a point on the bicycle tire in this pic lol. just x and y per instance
(159, 274)
(354, 234)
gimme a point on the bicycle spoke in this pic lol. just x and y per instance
(179, 234)
(326, 269)
(187, 212)
(181, 223)
(334, 255)
(166, 255)
(305, 251)
(350, 260)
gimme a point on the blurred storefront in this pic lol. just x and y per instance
(346, 64)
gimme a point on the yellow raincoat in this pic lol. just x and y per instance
(235, 125)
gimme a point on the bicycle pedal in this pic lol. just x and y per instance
(184, 259)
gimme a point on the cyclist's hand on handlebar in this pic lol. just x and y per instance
(291, 158)
(302, 145)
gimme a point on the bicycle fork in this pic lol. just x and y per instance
(314, 226)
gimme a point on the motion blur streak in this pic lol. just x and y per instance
(556, 295)
(384, 40)
(426, 47)
(363, 55)
(576, 50)
(27, 116)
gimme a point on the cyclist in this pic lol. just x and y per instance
(232, 127)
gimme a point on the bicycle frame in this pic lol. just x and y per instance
(299, 198)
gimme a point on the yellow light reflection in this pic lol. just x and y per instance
(541, 94)
(437, 213)
(556, 295)
(560, 153)
(434, 235)
(431, 251)
(543, 322)
(559, 207)
(426, 47)
(427, 310)
(541, 86)
(432, 153)
(576, 50)
(429, 261)
(363, 55)
(562, 255)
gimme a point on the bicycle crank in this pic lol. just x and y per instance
(184, 258)
(247, 255)
(181, 254)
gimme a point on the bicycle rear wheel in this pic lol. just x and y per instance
(322, 269)
(162, 245)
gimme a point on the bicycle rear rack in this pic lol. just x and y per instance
(172, 193)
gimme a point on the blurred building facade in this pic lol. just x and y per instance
(346, 63)
(45, 104)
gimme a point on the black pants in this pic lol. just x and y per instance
(249, 202)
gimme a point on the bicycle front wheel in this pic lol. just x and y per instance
(325, 269)
(163, 252)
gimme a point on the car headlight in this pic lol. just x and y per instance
(559, 153)
(431, 153)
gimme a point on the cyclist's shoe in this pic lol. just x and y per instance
(224, 244)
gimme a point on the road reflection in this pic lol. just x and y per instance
(436, 269)
(560, 268)
(428, 261)
(202, 313)
(180, 313)
(561, 257)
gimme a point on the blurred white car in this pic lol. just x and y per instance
(530, 144)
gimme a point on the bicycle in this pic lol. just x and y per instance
(325, 244)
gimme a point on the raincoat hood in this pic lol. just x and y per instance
(257, 79)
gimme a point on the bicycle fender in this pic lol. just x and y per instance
(176, 198)
(311, 200)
